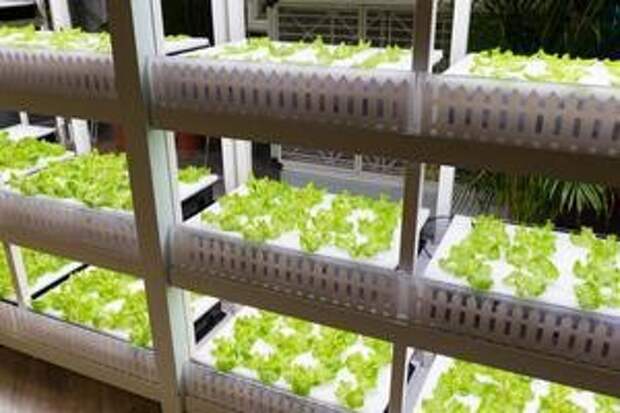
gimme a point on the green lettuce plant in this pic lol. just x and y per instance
(530, 254)
(66, 40)
(90, 298)
(270, 209)
(193, 174)
(288, 339)
(558, 400)
(36, 264)
(506, 65)
(497, 390)
(25, 153)
(470, 259)
(97, 180)
(599, 275)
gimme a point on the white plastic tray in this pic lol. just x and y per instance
(387, 259)
(597, 74)
(304, 57)
(540, 388)
(375, 401)
(561, 292)
(186, 191)
(19, 131)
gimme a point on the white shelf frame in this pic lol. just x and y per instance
(137, 37)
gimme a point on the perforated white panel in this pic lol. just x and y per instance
(95, 347)
(547, 116)
(366, 99)
(550, 330)
(104, 238)
(202, 256)
(242, 394)
(65, 74)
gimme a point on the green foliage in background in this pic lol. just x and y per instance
(581, 28)
(532, 198)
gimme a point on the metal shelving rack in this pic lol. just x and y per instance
(417, 116)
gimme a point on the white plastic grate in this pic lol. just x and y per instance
(364, 99)
(550, 330)
(73, 74)
(95, 347)
(103, 238)
(244, 395)
(203, 255)
(548, 116)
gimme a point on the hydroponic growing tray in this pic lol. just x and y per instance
(567, 399)
(388, 259)
(375, 399)
(560, 292)
(41, 282)
(595, 72)
(305, 54)
(200, 306)
(20, 131)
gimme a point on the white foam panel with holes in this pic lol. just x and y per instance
(64, 74)
(201, 256)
(364, 99)
(570, 118)
(104, 238)
(205, 387)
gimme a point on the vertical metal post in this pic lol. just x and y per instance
(461, 15)
(229, 25)
(18, 273)
(412, 204)
(398, 382)
(135, 36)
(424, 33)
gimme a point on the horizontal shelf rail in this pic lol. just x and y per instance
(103, 238)
(84, 351)
(581, 349)
(63, 83)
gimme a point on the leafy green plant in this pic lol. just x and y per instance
(558, 400)
(36, 264)
(530, 255)
(272, 346)
(599, 274)
(315, 52)
(470, 258)
(533, 198)
(360, 225)
(466, 388)
(549, 68)
(97, 180)
(193, 174)
(586, 28)
(25, 153)
(497, 390)
(67, 39)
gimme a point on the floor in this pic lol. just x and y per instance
(32, 386)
